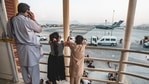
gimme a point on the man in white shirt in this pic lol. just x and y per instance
(22, 29)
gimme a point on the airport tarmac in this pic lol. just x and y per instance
(87, 32)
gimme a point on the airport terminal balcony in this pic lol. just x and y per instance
(103, 65)
(109, 60)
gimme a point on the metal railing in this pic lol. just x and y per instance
(110, 60)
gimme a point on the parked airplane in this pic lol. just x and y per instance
(115, 24)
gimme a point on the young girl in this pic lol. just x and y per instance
(56, 68)
(77, 58)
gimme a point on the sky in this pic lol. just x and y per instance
(88, 11)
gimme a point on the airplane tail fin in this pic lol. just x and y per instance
(117, 24)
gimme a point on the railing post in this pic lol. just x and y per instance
(127, 38)
(66, 32)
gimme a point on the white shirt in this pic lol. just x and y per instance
(28, 46)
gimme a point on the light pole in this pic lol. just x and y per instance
(112, 20)
(105, 25)
(105, 22)
(113, 16)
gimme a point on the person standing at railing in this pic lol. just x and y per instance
(76, 68)
(56, 67)
(22, 29)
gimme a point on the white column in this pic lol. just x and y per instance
(127, 38)
(66, 32)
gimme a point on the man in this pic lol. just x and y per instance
(22, 29)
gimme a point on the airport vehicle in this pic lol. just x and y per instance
(146, 42)
(41, 37)
(115, 24)
(94, 40)
(146, 39)
(112, 76)
(146, 45)
(105, 40)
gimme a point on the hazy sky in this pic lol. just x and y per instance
(89, 11)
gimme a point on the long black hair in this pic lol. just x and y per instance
(54, 38)
(54, 35)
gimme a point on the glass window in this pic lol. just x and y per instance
(102, 40)
(113, 39)
(107, 39)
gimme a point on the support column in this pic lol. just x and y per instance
(66, 33)
(127, 38)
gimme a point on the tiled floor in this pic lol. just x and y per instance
(4, 81)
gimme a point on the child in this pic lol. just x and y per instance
(56, 68)
(77, 58)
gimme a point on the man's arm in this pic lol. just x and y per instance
(33, 23)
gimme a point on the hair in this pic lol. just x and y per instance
(79, 39)
(54, 35)
(22, 7)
